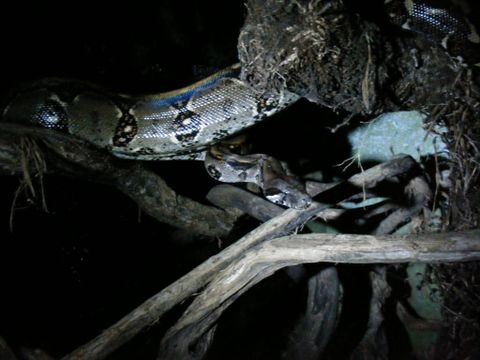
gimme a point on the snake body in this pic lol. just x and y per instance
(439, 22)
(184, 123)
(178, 124)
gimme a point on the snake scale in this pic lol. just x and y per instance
(183, 124)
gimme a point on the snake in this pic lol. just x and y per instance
(192, 123)
(439, 22)
(177, 125)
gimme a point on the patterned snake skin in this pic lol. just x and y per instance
(180, 124)
(439, 22)
(183, 124)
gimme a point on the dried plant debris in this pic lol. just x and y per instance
(461, 115)
(332, 56)
(337, 59)
(460, 287)
(460, 284)
(316, 49)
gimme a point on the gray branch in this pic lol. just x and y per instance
(263, 260)
(374, 343)
(316, 326)
(151, 310)
(67, 155)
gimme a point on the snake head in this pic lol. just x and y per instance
(288, 196)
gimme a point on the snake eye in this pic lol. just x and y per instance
(237, 148)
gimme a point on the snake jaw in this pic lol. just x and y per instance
(289, 197)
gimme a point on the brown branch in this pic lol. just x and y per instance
(74, 157)
(419, 195)
(374, 343)
(316, 326)
(263, 260)
(230, 197)
(70, 156)
(151, 310)
(227, 196)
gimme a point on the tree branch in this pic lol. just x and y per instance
(316, 326)
(263, 260)
(151, 310)
(67, 155)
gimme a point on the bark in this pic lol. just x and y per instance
(59, 153)
(263, 260)
(315, 328)
(374, 343)
(151, 310)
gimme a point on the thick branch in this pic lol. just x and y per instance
(151, 310)
(73, 157)
(264, 260)
(374, 343)
(316, 326)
